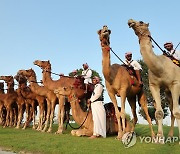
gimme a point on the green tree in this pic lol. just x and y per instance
(151, 109)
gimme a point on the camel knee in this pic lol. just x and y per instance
(176, 115)
(159, 114)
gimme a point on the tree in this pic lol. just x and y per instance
(151, 109)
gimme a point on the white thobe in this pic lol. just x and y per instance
(98, 112)
(134, 64)
(175, 54)
(87, 76)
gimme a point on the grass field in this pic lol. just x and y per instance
(36, 142)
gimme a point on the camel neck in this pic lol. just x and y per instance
(78, 114)
(152, 61)
(106, 62)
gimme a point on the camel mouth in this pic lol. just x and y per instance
(35, 62)
(131, 23)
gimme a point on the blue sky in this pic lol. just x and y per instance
(65, 32)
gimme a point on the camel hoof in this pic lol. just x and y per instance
(73, 132)
(58, 132)
(17, 127)
(170, 134)
(49, 131)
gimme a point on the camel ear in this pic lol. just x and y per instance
(148, 24)
(99, 31)
(109, 31)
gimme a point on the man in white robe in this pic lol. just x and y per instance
(98, 110)
(86, 73)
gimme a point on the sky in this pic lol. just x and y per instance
(65, 32)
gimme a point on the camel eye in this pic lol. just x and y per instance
(141, 22)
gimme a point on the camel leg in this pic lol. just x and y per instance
(52, 115)
(7, 118)
(123, 113)
(1, 114)
(41, 109)
(27, 115)
(48, 115)
(20, 113)
(143, 102)
(83, 132)
(132, 103)
(114, 101)
(176, 111)
(61, 114)
(33, 116)
(159, 114)
(171, 131)
(11, 117)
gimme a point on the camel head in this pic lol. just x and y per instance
(27, 73)
(104, 36)
(65, 91)
(140, 28)
(7, 78)
(44, 65)
(20, 78)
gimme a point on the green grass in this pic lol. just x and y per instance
(36, 142)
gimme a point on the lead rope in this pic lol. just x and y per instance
(83, 121)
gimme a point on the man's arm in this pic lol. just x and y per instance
(97, 93)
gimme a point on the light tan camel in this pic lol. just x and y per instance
(118, 83)
(162, 73)
(81, 116)
(28, 94)
(64, 81)
(9, 100)
(42, 91)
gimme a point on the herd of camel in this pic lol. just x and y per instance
(26, 98)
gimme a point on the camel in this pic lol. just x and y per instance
(54, 84)
(28, 94)
(81, 116)
(118, 83)
(23, 103)
(9, 100)
(162, 73)
(2, 118)
(42, 91)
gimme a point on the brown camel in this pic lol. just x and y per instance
(118, 83)
(9, 100)
(42, 91)
(81, 116)
(28, 94)
(64, 81)
(23, 103)
(2, 117)
(162, 73)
